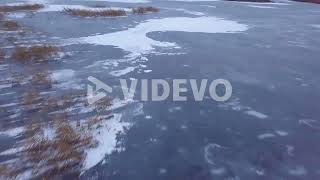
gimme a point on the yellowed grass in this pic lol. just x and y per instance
(34, 53)
(23, 7)
(10, 25)
(51, 157)
(95, 13)
(143, 10)
(63, 153)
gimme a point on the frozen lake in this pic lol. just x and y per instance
(269, 129)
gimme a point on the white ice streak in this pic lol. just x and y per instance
(314, 124)
(196, 13)
(235, 105)
(316, 25)
(122, 72)
(266, 135)
(281, 133)
(262, 7)
(265, 3)
(256, 114)
(13, 132)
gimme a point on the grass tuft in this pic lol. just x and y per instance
(41, 79)
(22, 7)
(97, 13)
(34, 53)
(10, 25)
(143, 10)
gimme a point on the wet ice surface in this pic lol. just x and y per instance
(269, 128)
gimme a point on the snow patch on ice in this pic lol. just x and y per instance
(117, 103)
(135, 40)
(49, 133)
(17, 15)
(107, 139)
(63, 75)
(65, 79)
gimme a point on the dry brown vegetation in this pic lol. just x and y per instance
(63, 154)
(9, 25)
(101, 109)
(143, 10)
(34, 53)
(44, 156)
(41, 79)
(57, 153)
(96, 13)
(61, 151)
(22, 7)
(48, 155)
